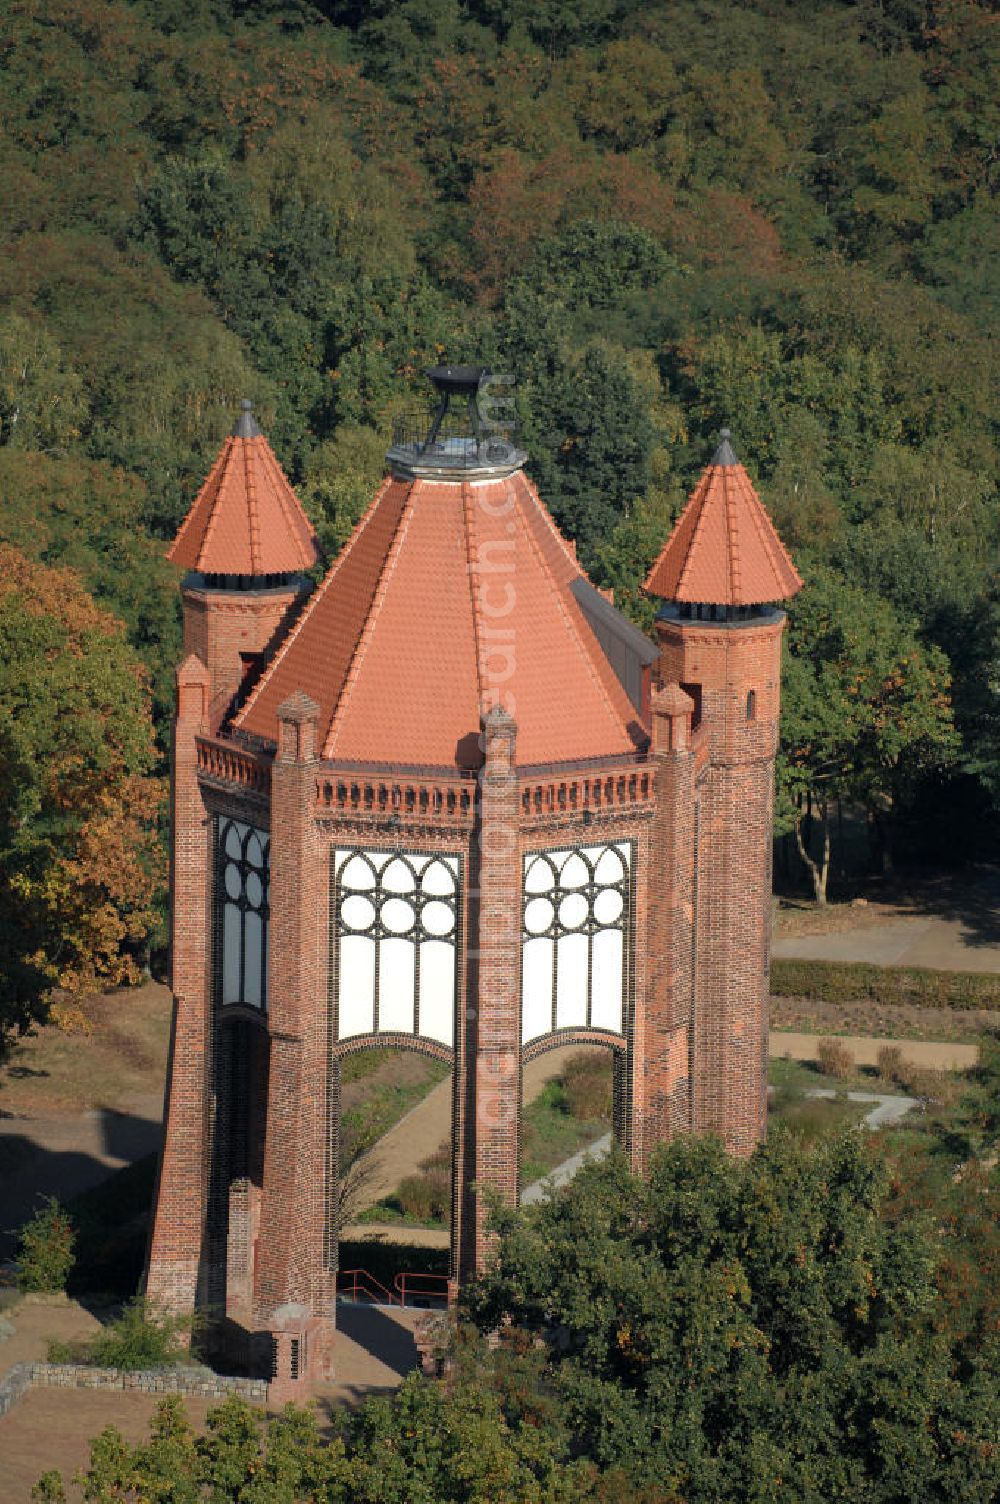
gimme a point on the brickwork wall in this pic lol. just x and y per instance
(219, 625)
(695, 1016)
(733, 878)
(176, 1269)
(293, 1286)
(494, 1043)
(662, 1088)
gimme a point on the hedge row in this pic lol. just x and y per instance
(851, 982)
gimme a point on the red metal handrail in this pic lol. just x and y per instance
(359, 1282)
(438, 1285)
(363, 1283)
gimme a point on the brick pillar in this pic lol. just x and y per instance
(175, 1275)
(737, 669)
(494, 1059)
(661, 1103)
(294, 1292)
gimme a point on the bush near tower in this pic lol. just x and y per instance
(79, 865)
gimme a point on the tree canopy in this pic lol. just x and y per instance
(78, 857)
(785, 1328)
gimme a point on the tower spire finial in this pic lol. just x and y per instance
(246, 423)
(725, 454)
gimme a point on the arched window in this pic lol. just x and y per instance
(396, 917)
(575, 941)
(751, 704)
(242, 908)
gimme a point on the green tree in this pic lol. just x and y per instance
(79, 861)
(42, 405)
(746, 1330)
(866, 713)
(45, 1248)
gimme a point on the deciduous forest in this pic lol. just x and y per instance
(658, 217)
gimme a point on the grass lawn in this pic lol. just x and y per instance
(378, 1087)
(551, 1131)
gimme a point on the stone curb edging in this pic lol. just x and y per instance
(191, 1381)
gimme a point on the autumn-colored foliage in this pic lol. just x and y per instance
(78, 799)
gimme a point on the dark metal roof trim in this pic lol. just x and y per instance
(246, 423)
(725, 454)
(594, 606)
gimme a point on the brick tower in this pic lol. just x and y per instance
(719, 575)
(450, 812)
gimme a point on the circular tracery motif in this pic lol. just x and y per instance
(401, 898)
(574, 891)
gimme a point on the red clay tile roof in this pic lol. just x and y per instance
(246, 518)
(724, 549)
(449, 597)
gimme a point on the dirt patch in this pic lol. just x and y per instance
(900, 1021)
(39, 1320)
(797, 917)
(52, 1428)
(119, 1056)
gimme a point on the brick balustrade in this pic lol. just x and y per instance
(221, 761)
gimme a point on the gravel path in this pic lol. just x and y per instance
(929, 1053)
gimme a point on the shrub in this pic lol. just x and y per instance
(835, 1059)
(426, 1198)
(142, 1337)
(440, 1159)
(45, 1248)
(889, 1063)
(589, 1087)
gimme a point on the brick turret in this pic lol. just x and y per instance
(246, 542)
(720, 641)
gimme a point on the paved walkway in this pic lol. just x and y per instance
(964, 938)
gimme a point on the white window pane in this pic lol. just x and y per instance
(234, 840)
(253, 955)
(356, 992)
(397, 915)
(571, 984)
(438, 918)
(539, 877)
(573, 910)
(398, 878)
(357, 874)
(608, 906)
(231, 940)
(437, 991)
(574, 873)
(395, 986)
(438, 880)
(357, 913)
(607, 978)
(536, 989)
(610, 867)
(538, 915)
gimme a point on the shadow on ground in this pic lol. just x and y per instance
(65, 1157)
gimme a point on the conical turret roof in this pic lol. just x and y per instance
(451, 595)
(246, 519)
(724, 549)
